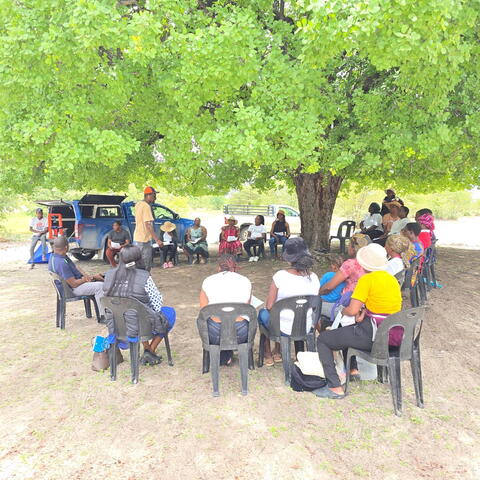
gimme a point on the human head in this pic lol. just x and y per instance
(295, 252)
(374, 208)
(412, 231)
(227, 263)
(129, 259)
(259, 220)
(196, 222)
(394, 208)
(396, 244)
(149, 194)
(117, 225)
(39, 213)
(427, 221)
(421, 212)
(357, 241)
(372, 258)
(403, 212)
(335, 262)
(389, 192)
(232, 221)
(60, 245)
(281, 215)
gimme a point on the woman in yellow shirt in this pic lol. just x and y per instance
(376, 296)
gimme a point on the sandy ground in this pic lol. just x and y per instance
(58, 419)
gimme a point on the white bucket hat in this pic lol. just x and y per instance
(372, 258)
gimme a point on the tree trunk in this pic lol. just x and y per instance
(317, 194)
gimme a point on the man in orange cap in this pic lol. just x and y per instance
(144, 231)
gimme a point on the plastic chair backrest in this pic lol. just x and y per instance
(227, 313)
(348, 226)
(430, 255)
(64, 290)
(411, 274)
(300, 305)
(409, 320)
(400, 276)
(119, 306)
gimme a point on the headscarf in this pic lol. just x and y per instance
(427, 220)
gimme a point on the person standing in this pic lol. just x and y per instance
(144, 231)
(39, 228)
(391, 196)
(117, 238)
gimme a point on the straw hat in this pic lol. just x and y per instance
(394, 203)
(168, 227)
(231, 217)
(372, 258)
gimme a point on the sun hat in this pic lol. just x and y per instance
(398, 243)
(149, 190)
(394, 203)
(294, 249)
(281, 211)
(231, 217)
(372, 258)
(168, 227)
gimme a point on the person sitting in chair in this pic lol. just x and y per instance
(117, 238)
(279, 233)
(256, 236)
(371, 224)
(226, 286)
(297, 279)
(196, 242)
(169, 241)
(80, 283)
(230, 238)
(130, 280)
(396, 247)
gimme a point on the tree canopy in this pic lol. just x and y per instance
(201, 96)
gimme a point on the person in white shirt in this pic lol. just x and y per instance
(372, 222)
(256, 236)
(400, 224)
(223, 287)
(396, 246)
(295, 280)
(39, 228)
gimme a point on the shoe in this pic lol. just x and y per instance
(255, 259)
(149, 358)
(251, 259)
(325, 392)
(170, 264)
(277, 358)
(165, 265)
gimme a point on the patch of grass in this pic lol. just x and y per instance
(360, 471)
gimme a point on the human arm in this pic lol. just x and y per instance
(272, 296)
(203, 299)
(151, 230)
(76, 282)
(355, 309)
(287, 228)
(204, 235)
(187, 235)
(154, 295)
(125, 243)
(337, 279)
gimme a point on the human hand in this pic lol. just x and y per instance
(87, 278)
(359, 317)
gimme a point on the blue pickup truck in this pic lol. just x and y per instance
(86, 222)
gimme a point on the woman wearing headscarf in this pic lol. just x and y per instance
(230, 238)
(129, 280)
(297, 279)
(226, 286)
(279, 233)
(427, 224)
(372, 222)
(169, 239)
(376, 296)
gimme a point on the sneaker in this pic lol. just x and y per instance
(165, 265)
(251, 259)
(149, 358)
(255, 259)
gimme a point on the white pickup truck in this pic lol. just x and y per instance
(245, 214)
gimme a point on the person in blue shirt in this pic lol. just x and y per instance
(329, 299)
(80, 282)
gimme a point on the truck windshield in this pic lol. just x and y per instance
(162, 212)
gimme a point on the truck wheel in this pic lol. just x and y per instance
(243, 233)
(84, 255)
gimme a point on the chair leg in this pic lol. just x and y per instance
(416, 366)
(382, 374)
(169, 352)
(261, 350)
(414, 296)
(311, 345)
(88, 308)
(251, 362)
(58, 313)
(285, 345)
(63, 307)
(347, 371)
(215, 368)
(112, 357)
(206, 361)
(395, 384)
(134, 360)
(299, 346)
(434, 277)
(97, 310)
(243, 352)
(342, 246)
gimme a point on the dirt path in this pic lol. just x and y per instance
(58, 419)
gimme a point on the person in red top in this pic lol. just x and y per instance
(427, 223)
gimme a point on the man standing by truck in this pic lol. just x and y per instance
(144, 231)
(39, 228)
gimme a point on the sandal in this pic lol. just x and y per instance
(277, 358)
(268, 362)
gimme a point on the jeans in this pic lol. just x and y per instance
(252, 243)
(263, 319)
(35, 240)
(168, 252)
(147, 254)
(356, 336)
(273, 242)
(214, 337)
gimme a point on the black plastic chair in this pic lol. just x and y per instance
(259, 250)
(412, 283)
(300, 306)
(176, 259)
(344, 232)
(428, 268)
(384, 355)
(65, 295)
(400, 276)
(118, 307)
(227, 313)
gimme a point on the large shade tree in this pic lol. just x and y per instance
(201, 96)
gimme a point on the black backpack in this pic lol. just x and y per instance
(305, 383)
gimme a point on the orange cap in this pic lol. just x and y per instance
(149, 190)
